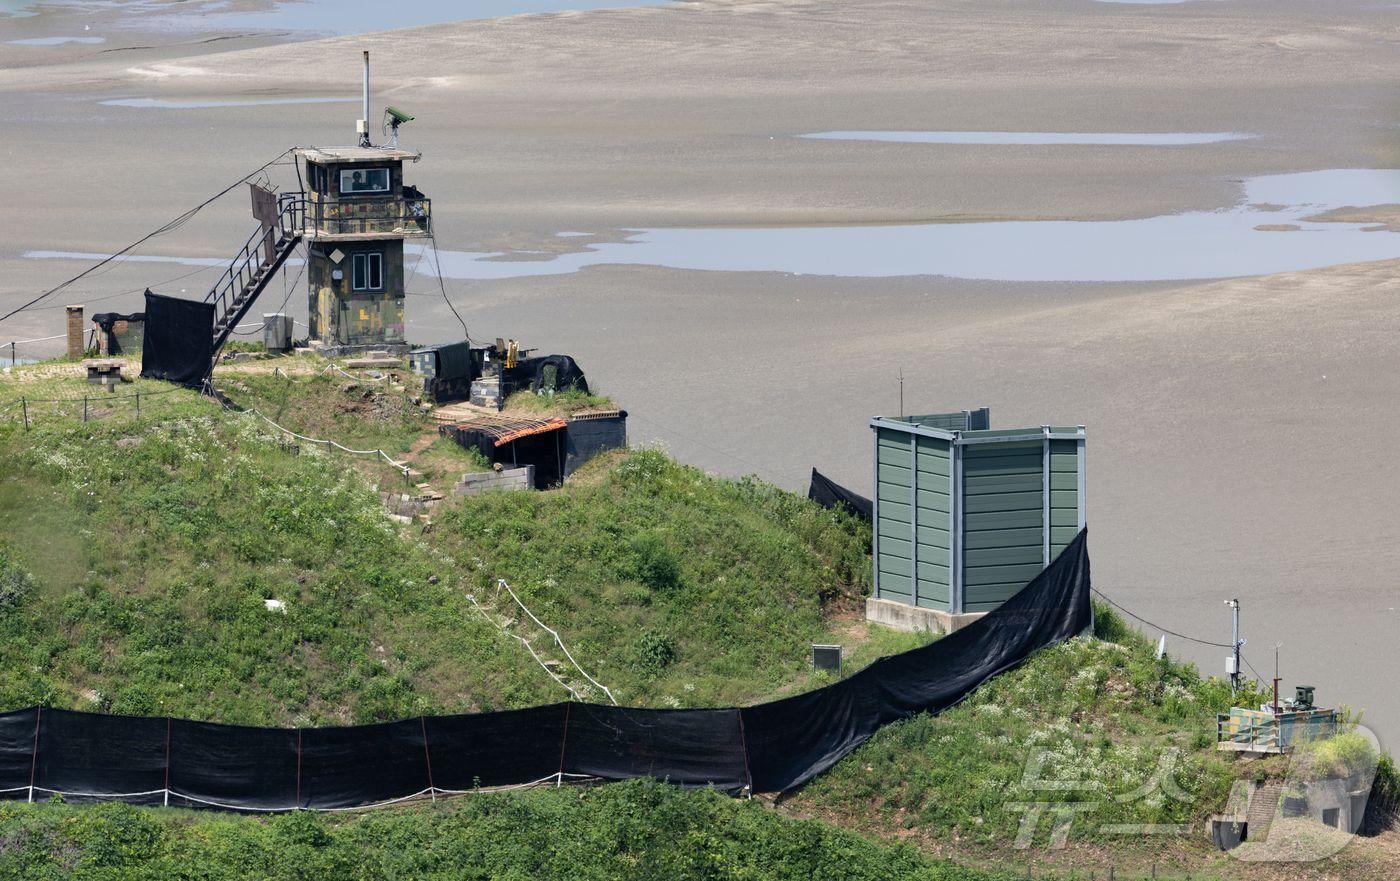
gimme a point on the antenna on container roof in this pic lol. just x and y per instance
(362, 125)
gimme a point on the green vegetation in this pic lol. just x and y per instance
(568, 401)
(682, 590)
(1127, 737)
(629, 832)
(141, 552)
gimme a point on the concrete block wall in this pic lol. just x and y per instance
(509, 479)
(76, 346)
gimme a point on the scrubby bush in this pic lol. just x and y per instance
(654, 564)
(655, 651)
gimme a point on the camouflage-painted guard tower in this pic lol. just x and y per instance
(358, 211)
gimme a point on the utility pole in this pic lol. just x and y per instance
(901, 392)
(1232, 663)
(1277, 646)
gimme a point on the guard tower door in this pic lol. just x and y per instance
(265, 212)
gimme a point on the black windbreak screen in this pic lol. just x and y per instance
(179, 344)
(232, 766)
(686, 747)
(92, 755)
(791, 741)
(496, 749)
(771, 747)
(16, 752)
(829, 494)
(343, 767)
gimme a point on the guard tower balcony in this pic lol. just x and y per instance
(359, 193)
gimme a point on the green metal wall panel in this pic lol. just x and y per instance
(893, 481)
(933, 457)
(1002, 496)
(1064, 494)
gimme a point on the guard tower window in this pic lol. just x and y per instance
(356, 181)
(367, 272)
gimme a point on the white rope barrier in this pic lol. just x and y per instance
(403, 468)
(531, 649)
(558, 640)
(42, 339)
(168, 794)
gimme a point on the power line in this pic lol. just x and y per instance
(1251, 668)
(171, 226)
(442, 286)
(1158, 627)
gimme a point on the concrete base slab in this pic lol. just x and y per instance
(902, 616)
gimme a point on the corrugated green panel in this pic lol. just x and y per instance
(945, 421)
(989, 596)
(1022, 555)
(1030, 517)
(935, 470)
(894, 482)
(895, 547)
(892, 510)
(932, 503)
(894, 456)
(1067, 480)
(1002, 538)
(1001, 465)
(1063, 517)
(977, 452)
(894, 565)
(1061, 498)
(1002, 432)
(895, 587)
(985, 575)
(890, 436)
(932, 535)
(1061, 536)
(983, 484)
(893, 529)
(996, 503)
(934, 456)
(934, 556)
(929, 599)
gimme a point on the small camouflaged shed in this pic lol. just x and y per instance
(966, 515)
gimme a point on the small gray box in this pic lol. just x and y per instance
(277, 332)
(826, 657)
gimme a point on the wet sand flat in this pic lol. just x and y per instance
(1240, 430)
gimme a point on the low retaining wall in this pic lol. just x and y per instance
(902, 616)
(508, 479)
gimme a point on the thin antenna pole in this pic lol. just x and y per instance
(364, 122)
(901, 392)
(1235, 641)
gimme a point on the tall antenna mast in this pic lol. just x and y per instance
(362, 127)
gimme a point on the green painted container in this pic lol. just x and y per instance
(966, 515)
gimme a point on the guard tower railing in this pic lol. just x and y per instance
(251, 263)
(1255, 731)
(322, 218)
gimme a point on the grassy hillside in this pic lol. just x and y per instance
(138, 553)
(151, 543)
(1126, 738)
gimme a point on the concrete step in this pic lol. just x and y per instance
(1263, 805)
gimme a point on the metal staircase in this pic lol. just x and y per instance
(253, 267)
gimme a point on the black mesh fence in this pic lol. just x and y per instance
(770, 747)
